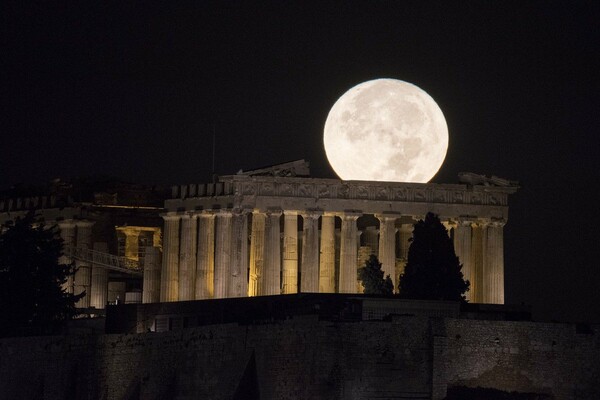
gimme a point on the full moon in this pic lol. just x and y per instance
(386, 130)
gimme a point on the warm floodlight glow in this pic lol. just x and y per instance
(386, 130)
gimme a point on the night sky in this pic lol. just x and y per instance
(135, 91)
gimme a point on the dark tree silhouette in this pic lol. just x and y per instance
(371, 277)
(32, 300)
(433, 272)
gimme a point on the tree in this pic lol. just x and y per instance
(32, 299)
(433, 272)
(371, 277)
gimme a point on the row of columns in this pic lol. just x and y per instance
(480, 248)
(93, 278)
(207, 254)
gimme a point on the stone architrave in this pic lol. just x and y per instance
(99, 288)
(151, 286)
(387, 245)
(67, 233)
(271, 278)
(463, 249)
(169, 277)
(238, 280)
(477, 260)
(257, 249)
(327, 254)
(310, 252)
(348, 253)
(493, 267)
(187, 258)
(289, 274)
(222, 253)
(83, 275)
(205, 256)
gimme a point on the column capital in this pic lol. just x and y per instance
(66, 223)
(171, 216)
(450, 222)
(84, 223)
(291, 213)
(241, 211)
(497, 223)
(197, 214)
(274, 213)
(385, 216)
(481, 222)
(311, 213)
(350, 215)
(224, 212)
(465, 221)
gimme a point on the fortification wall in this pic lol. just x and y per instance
(534, 357)
(294, 359)
(303, 358)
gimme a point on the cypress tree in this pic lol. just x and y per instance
(32, 300)
(433, 271)
(371, 277)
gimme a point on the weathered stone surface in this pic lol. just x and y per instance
(304, 358)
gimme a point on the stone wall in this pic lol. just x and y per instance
(534, 357)
(304, 358)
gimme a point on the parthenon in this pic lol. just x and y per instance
(256, 234)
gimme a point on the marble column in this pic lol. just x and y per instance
(205, 256)
(493, 268)
(187, 258)
(348, 253)
(169, 277)
(271, 278)
(327, 254)
(463, 249)
(132, 243)
(67, 233)
(238, 280)
(477, 260)
(404, 236)
(83, 276)
(310, 252)
(387, 245)
(99, 287)
(257, 249)
(222, 254)
(289, 274)
(151, 284)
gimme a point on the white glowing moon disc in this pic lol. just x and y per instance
(386, 130)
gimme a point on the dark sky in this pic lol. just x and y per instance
(134, 90)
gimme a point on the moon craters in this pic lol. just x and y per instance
(386, 130)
